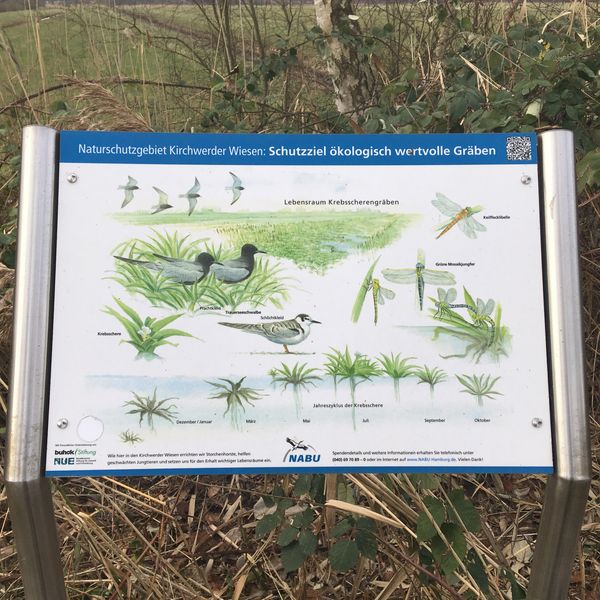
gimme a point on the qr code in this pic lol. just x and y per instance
(518, 148)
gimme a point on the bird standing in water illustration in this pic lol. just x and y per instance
(236, 269)
(287, 333)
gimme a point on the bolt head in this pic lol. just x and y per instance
(525, 179)
(62, 423)
(537, 422)
(72, 178)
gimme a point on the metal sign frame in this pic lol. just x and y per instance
(29, 493)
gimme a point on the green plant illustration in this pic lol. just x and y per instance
(150, 408)
(128, 437)
(145, 335)
(362, 292)
(396, 368)
(431, 376)
(267, 284)
(312, 240)
(355, 368)
(482, 333)
(320, 240)
(300, 376)
(379, 295)
(235, 395)
(480, 387)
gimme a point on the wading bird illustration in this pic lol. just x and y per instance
(129, 188)
(287, 333)
(186, 272)
(192, 196)
(419, 275)
(163, 203)
(380, 295)
(235, 187)
(458, 215)
(298, 445)
(236, 269)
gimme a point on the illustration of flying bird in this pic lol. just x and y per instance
(162, 201)
(298, 445)
(235, 187)
(236, 269)
(186, 272)
(288, 332)
(129, 188)
(192, 196)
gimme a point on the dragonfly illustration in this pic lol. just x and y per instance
(481, 313)
(380, 295)
(445, 302)
(463, 216)
(419, 275)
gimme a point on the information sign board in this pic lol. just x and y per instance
(270, 303)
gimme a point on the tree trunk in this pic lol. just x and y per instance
(351, 73)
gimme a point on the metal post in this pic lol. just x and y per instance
(29, 496)
(567, 490)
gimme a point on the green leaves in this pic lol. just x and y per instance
(443, 529)
(343, 555)
(425, 526)
(359, 540)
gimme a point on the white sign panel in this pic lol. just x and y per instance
(271, 303)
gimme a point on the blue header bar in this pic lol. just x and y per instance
(297, 149)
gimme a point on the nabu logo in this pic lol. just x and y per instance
(299, 452)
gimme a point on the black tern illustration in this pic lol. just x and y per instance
(192, 196)
(186, 272)
(235, 187)
(162, 201)
(236, 269)
(288, 332)
(129, 188)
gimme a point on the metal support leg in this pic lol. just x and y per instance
(567, 491)
(29, 497)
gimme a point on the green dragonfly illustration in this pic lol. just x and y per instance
(445, 302)
(420, 276)
(463, 216)
(481, 313)
(380, 295)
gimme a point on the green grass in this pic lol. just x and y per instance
(397, 368)
(267, 284)
(300, 376)
(316, 240)
(150, 408)
(431, 376)
(128, 437)
(355, 368)
(235, 395)
(480, 387)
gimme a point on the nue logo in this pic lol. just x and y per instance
(299, 452)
